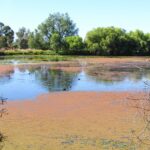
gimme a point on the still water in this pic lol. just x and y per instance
(28, 83)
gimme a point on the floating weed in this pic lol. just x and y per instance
(116, 144)
(104, 144)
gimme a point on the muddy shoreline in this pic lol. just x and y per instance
(54, 118)
(73, 120)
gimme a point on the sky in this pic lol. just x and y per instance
(87, 14)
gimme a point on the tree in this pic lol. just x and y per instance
(36, 41)
(139, 40)
(3, 42)
(148, 42)
(55, 42)
(57, 26)
(23, 35)
(74, 43)
(106, 41)
(9, 34)
(6, 36)
(1, 28)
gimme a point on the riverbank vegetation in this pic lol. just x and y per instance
(58, 34)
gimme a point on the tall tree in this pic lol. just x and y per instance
(36, 41)
(57, 25)
(22, 38)
(6, 36)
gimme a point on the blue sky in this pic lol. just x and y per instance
(87, 14)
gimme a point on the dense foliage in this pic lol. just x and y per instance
(22, 38)
(60, 34)
(116, 41)
(74, 43)
(6, 36)
(52, 32)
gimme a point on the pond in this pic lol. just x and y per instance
(29, 82)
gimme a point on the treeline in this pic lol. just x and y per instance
(59, 33)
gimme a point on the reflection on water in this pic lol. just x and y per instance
(29, 82)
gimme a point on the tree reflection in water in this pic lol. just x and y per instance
(52, 79)
(30, 81)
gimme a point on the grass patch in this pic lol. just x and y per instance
(33, 58)
(27, 52)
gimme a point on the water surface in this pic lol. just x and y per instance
(28, 83)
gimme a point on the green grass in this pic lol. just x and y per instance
(26, 52)
(33, 58)
(6, 56)
(53, 52)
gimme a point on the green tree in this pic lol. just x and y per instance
(36, 41)
(139, 40)
(55, 42)
(1, 28)
(6, 36)
(148, 42)
(57, 26)
(3, 42)
(9, 34)
(22, 38)
(107, 41)
(74, 43)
